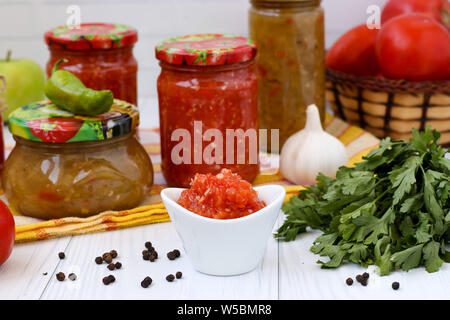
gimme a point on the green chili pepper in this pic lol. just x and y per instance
(66, 91)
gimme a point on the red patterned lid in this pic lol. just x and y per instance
(206, 50)
(91, 36)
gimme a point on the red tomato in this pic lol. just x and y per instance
(414, 47)
(57, 130)
(354, 52)
(7, 232)
(432, 8)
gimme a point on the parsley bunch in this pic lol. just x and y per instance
(391, 210)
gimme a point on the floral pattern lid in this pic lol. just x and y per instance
(91, 36)
(206, 50)
(45, 122)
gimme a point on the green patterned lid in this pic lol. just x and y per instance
(206, 50)
(91, 36)
(45, 122)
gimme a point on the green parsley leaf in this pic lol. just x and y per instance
(431, 256)
(408, 258)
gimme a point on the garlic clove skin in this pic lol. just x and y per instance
(311, 151)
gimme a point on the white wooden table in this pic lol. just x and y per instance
(288, 271)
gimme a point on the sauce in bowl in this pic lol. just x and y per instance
(223, 196)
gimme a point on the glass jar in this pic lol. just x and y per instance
(207, 85)
(69, 166)
(290, 62)
(100, 54)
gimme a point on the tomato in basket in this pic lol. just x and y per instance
(438, 9)
(7, 232)
(354, 52)
(414, 47)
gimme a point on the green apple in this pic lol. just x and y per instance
(25, 82)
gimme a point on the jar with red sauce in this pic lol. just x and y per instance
(100, 54)
(207, 92)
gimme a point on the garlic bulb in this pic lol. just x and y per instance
(311, 151)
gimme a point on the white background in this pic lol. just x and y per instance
(23, 23)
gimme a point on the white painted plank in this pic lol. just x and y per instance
(302, 278)
(21, 277)
(259, 284)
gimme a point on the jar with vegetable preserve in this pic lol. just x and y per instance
(68, 165)
(207, 92)
(290, 62)
(100, 54)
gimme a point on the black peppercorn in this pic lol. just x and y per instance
(111, 266)
(359, 278)
(106, 281)
(72, 276)
(365, 275)
(118, 265)
(146, 282)
(61, 255)
(170, 277)
(113, 254)
(99, 260)
(395, 285)
(177, 253)
(171, 255)
(152, 257)
(364, 282)
(60, 276)
(111, 278)
(349, 281)
(178, 275)
(148, 244)
(107, 258)
(146, 256)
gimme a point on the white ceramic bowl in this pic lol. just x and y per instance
(225, 247)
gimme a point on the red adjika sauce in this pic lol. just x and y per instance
(223, 196)
(100, 54)
(209, 79)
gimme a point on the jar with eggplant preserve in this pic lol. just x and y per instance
(68, 165)
(100, 54)
(290, 62)
(207, 92)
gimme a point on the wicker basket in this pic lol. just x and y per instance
(390, 107)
